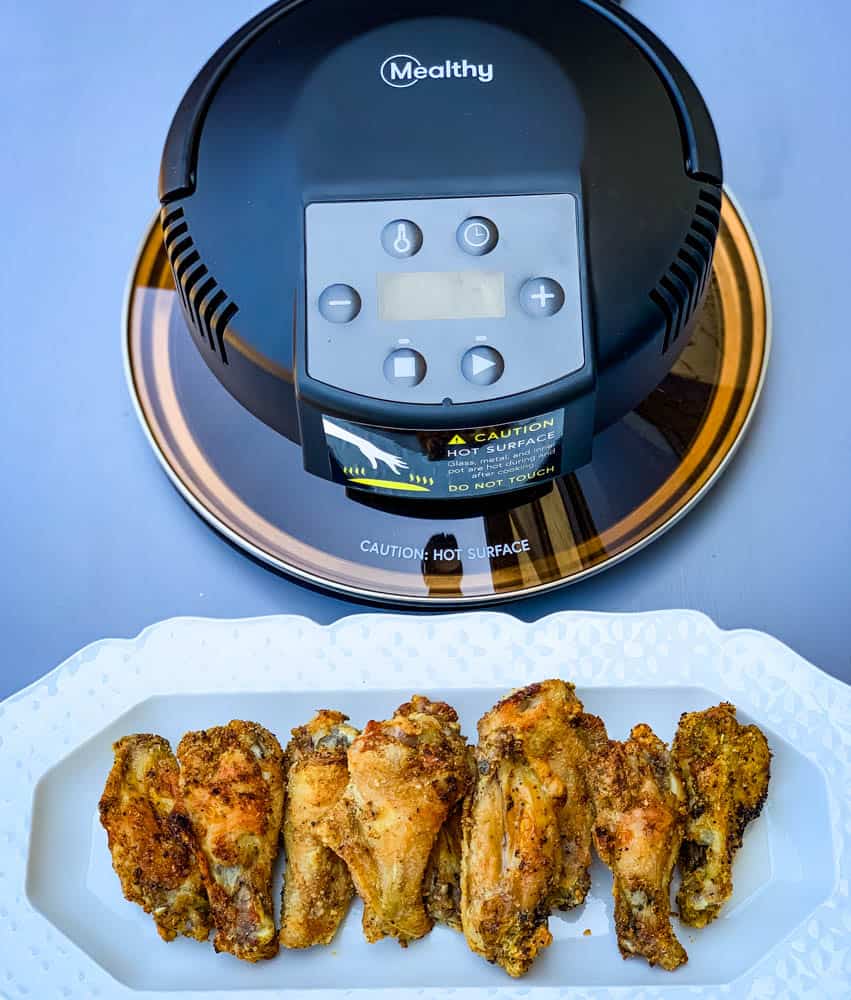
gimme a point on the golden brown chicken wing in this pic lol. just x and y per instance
(231, 779)
(151, 845)
(557, 735)
(510, 858)
(640, 809)
(527, 825)
(317, 886)
(725, 768)
(405, 775)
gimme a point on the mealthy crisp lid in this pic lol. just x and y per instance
(647, 470)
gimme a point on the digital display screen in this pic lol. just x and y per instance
(441, 295)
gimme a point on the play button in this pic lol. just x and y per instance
(482, 365)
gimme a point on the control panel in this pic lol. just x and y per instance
(424, 300)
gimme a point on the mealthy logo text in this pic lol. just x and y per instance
(404, 71)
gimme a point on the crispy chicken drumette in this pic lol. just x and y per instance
(640, 817)
(231, 779)
(151, 844)
(405, 776)
(725, 768)
(527, 824)
(317, 886)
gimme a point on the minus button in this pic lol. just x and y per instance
(339, 303)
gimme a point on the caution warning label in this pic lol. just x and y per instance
(465, 462)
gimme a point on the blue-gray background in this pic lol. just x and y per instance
(95, 542)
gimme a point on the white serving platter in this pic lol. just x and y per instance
(66, 931)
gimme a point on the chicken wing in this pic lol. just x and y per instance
(640, 817)
(405, 775)
(151, 846)
(725, 768)
(527, 825)
(317, 886)
(231, 779)
(510, 857)
(557, 735)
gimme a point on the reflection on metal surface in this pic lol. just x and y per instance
(442, 568)
(647, 469)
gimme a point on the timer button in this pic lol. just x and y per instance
(405, 367)
(402, 238)
(477, 235)
(482, 365)
(541, 296)
(339, 303)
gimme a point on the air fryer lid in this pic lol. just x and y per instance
(648, 469)
(568, 130)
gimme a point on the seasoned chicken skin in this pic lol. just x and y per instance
(405, 776)
(640, 817)
(725, 768)
(527, 825)
(317, 886)
(231, 779)
(151, 845)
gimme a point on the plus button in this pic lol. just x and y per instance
(543, 296)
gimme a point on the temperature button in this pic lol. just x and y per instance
(402, 238)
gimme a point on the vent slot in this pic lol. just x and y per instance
(681, 287)
(711, 197)
(169, 217)
(678, 298)
(221, 324)
(211, 307)
(206, 305)
(197, 299)
(703, 248)
(689, 282)
(174, 232)
(668, 313)
(183, 265)
(710, 215)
